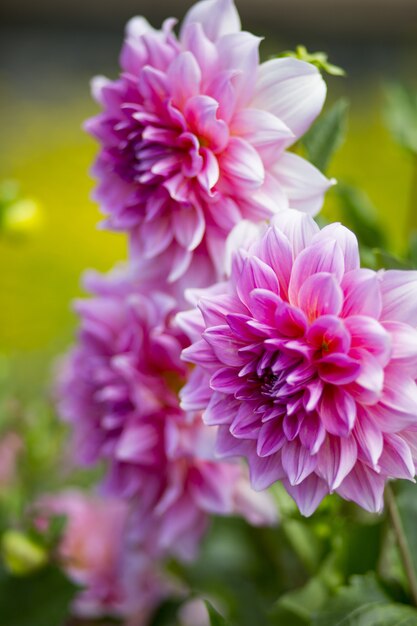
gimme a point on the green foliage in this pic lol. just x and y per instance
(400, 113)
(215, 618)
(363, 603)
(327, 135)
(360, 215)
(319, 59)
(42, 599)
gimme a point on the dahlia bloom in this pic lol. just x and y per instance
(119, 389)
(93, 552)
(194, 134)
(308, 365)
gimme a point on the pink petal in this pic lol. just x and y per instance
(225, 345)
(320, 295)
(243, 165)
(239, 51)
(369, 439)
(403, 340)
(292, 90)
(346, 240)
(255, 274)
(221, 409)
(312, 433)
(299, 228)
(365, 487)
(308, 494)
(203, 49)
(396, 460)
(337, 411)
(399, 296)
(297, 462)
(362, 293)
(266, 132)
(368, 334)
(324, 256)
(212, 488)
(218, 18)
(201, 114)
(184, 76)
(225, 380)
(271, 438)
(265, 471)
(304, 184)
(339, 369)
(275, 250)
(189, 225)
(336, 458)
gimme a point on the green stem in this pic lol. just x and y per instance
(403, 547)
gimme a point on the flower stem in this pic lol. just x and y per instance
(401, 542)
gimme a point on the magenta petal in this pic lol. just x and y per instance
(271, 438)
(308, 494)
(338, 369)
(229, 446)
(312, 433)
(336, 458)
(365, 487)
(221, 409)
(396, 460)
(337, 411)
(225, 380)
(225, 345)
(264, 471)
(297, 462)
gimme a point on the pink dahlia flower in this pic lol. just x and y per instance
(308, 365)
(119, 389)
(194, 134)
(94, 554)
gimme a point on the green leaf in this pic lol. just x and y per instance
(296, 607)
(327, 135)
(319, 59)
(359, 214)
(38, 600)
(215, 618)
(364, 603)
(406, 499)
(400, 115)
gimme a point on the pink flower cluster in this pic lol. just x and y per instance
(308, 365)
(117, 581)
(194, 134)
(119, 389)
(305, 364)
